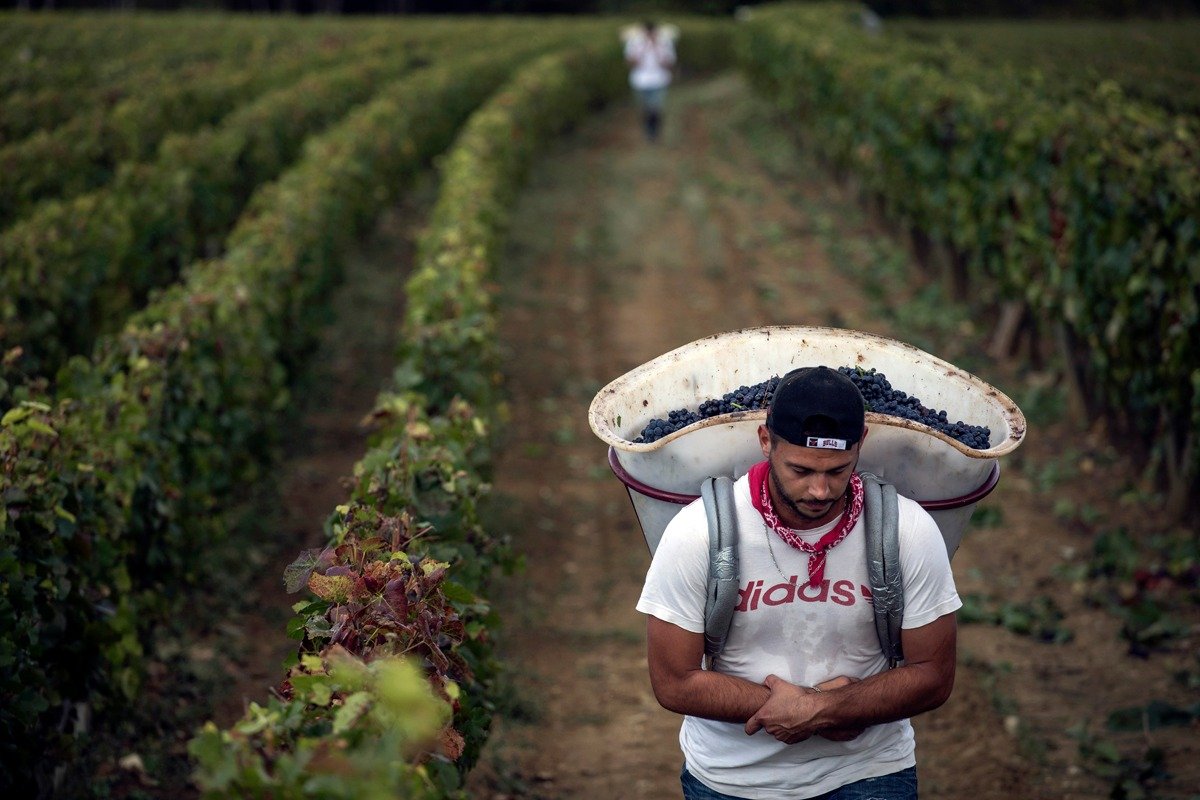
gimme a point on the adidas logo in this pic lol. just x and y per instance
(754, 595)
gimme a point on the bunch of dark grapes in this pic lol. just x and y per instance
(881, 398)
(877, 393)
(743, 398)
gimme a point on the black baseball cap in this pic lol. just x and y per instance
(817, 407)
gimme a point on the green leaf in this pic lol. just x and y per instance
(317, 627)
(322, 692)
(1107, 751)
(42, 427)
(15, 415)
(208, 748)
(458, 593)
(351, 711)
(295, 627)
(431, 566)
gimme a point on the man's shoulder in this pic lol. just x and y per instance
(909, 505)
(692, 519)
(920, 536)
(688, 524)
(913, 514)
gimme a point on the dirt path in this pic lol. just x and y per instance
(623, 250)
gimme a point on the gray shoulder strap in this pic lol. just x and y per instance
(721, 598)
(882, 513)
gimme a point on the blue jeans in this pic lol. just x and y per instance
(900, 785)
(651, 99)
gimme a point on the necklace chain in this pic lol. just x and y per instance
(819, 551)
(771, 550)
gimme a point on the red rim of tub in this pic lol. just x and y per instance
(633, 484)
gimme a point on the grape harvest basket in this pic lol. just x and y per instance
(945, 476)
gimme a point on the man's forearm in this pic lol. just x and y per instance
(921, 685)
(896, 694)
(713, 695)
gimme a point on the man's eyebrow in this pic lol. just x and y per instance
(796, 466)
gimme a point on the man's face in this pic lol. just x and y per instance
(807, 483)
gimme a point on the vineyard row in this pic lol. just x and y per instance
(77, 267)
(58, 66)
(87, 150)
(114, 486)
(1086, 211)
(1154, 61)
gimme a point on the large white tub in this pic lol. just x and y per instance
(945, 476)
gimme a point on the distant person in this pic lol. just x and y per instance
(801, 702)
(650, 53)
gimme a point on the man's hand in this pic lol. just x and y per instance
(789, 712)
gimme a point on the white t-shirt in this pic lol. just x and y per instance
(653, 60)
(804, 635)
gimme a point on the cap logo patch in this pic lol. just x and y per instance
(825, 443)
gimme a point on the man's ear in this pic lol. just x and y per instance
(764, 440)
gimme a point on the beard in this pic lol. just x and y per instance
(800, 507)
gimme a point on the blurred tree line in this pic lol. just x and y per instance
(394, 6)
(920, 8)
(1078, 9)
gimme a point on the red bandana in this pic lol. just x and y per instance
(761, 498)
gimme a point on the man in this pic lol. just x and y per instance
(801, 703)
(650, 53)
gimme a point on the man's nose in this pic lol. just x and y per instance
(819, 487)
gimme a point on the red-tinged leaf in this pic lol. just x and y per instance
(347, 637)
(395, 594)
(375, 575)
(439, 660)
(455, 629)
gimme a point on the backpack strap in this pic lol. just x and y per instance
(722, 595)
(882, 513)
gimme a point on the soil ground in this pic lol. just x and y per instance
(621, 250)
